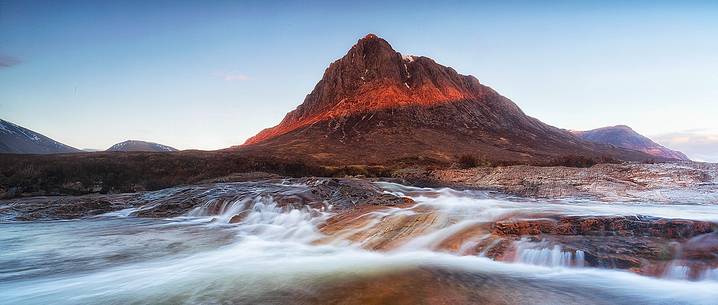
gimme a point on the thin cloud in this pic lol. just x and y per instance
(8, 61)
(698, 144)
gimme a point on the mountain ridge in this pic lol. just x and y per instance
(374, 104)
(137, 145)
(15, 139)
(625, 137)
(373, 71)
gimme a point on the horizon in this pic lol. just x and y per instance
(240, 67)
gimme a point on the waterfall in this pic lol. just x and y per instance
(550, 257)
(677, 272)
(709, 275)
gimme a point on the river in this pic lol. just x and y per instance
(294, 256)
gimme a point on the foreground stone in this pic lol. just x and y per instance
(62, 207)
(214, 199)
(605, 226)
(645, 245)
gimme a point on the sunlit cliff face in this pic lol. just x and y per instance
(372, 76)
(408, 107)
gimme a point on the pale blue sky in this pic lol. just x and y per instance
(207, 75)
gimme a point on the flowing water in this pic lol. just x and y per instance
(292, 256)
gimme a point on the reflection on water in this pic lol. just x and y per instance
(275, 256)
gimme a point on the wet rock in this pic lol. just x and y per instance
(170, 207)
(703, 246)
(316, 193)
(645, 245)
(359, 225)
(62, 207)
(661, 182)
(345, 193)
(212, 199)
(237, 218)
(605, 226)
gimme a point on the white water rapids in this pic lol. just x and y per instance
(279, 256)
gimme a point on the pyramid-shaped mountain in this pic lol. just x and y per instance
(375, 106)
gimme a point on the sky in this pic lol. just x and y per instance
(210, 74)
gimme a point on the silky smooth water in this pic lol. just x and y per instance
(272, 257)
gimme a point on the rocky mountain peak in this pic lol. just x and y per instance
(372, 45)
(370, 60)
(374, 105)
(373, 76)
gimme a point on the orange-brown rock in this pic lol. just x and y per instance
(605, 226)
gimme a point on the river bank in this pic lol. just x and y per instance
(658, 182)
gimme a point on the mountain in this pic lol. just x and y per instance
(15, 139)
(625, 137)
(374, 105)
(135, 145)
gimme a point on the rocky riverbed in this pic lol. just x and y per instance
(351, 240)
(212, 198)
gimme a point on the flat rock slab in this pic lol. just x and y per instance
(318, 193)
(662, 182)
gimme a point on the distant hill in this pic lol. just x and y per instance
(377, 106)
(15, 139)
(135, 145)
(625, 137)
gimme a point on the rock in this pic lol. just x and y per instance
(318, 193)
(645, 245)
(660, 182)
(239, 217)
(214, 199)
(62, 207)
(170, 207)
(605, 226)
(703, 246)
(348, 192)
